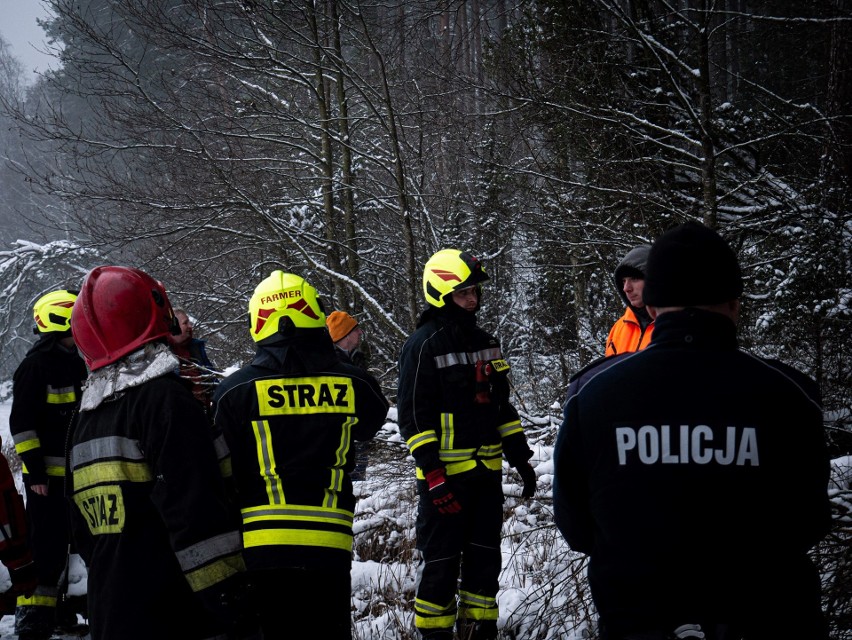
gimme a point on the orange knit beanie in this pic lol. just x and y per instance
(340, 324)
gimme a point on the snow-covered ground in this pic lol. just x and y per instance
(543, 593)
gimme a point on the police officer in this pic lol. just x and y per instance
(695, 474)
(150, 513)
(455, 414)
(290, 418)
(46, 393)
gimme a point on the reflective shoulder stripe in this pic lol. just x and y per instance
(450, 359)
(491, 353)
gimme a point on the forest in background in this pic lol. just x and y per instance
(209, 143)
(346, 141)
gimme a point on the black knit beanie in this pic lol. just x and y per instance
(691, 265)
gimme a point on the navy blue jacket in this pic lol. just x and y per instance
(694, 475)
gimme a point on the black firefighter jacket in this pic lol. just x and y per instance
(151, 519)
(46, 393)
(695, 476)
(290, 418)
(440, 417)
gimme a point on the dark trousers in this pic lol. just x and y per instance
(49, 530)
(464, 545)
(49, 536)
(304, 603)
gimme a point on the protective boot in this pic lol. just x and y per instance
(477, 629)
(34, 622)
(66, 616)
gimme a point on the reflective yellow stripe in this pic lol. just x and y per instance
(61, 398)
(213, 548)
(456, 455)
(476, 613)
(460, 467)
(509, 428)
(36, 600)
(302, 537)
(57, 472)
(215, 573)
(332, 493)
(454, 468)
(448, 432)
(225, 468)
(477, 607)
(428, 615)
(266, 462)
(115, 471)
(476, 600)
(297, 512)
(27, 445)
(419, 439)
(491, 450)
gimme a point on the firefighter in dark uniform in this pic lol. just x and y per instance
(46, 393)
(150, 513)
(695, 474)
(290, 418)
(455, 414)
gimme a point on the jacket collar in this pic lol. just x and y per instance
(694, 328)
(303, 350)
(153, 360)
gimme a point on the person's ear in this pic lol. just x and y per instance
(734, 307)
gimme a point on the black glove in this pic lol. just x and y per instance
(240, 601)
(24, 579)
(527, 474)
(231, 605)
(440, 492)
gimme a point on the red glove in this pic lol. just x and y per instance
(440, 492)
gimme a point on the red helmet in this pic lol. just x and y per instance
(118, 310)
